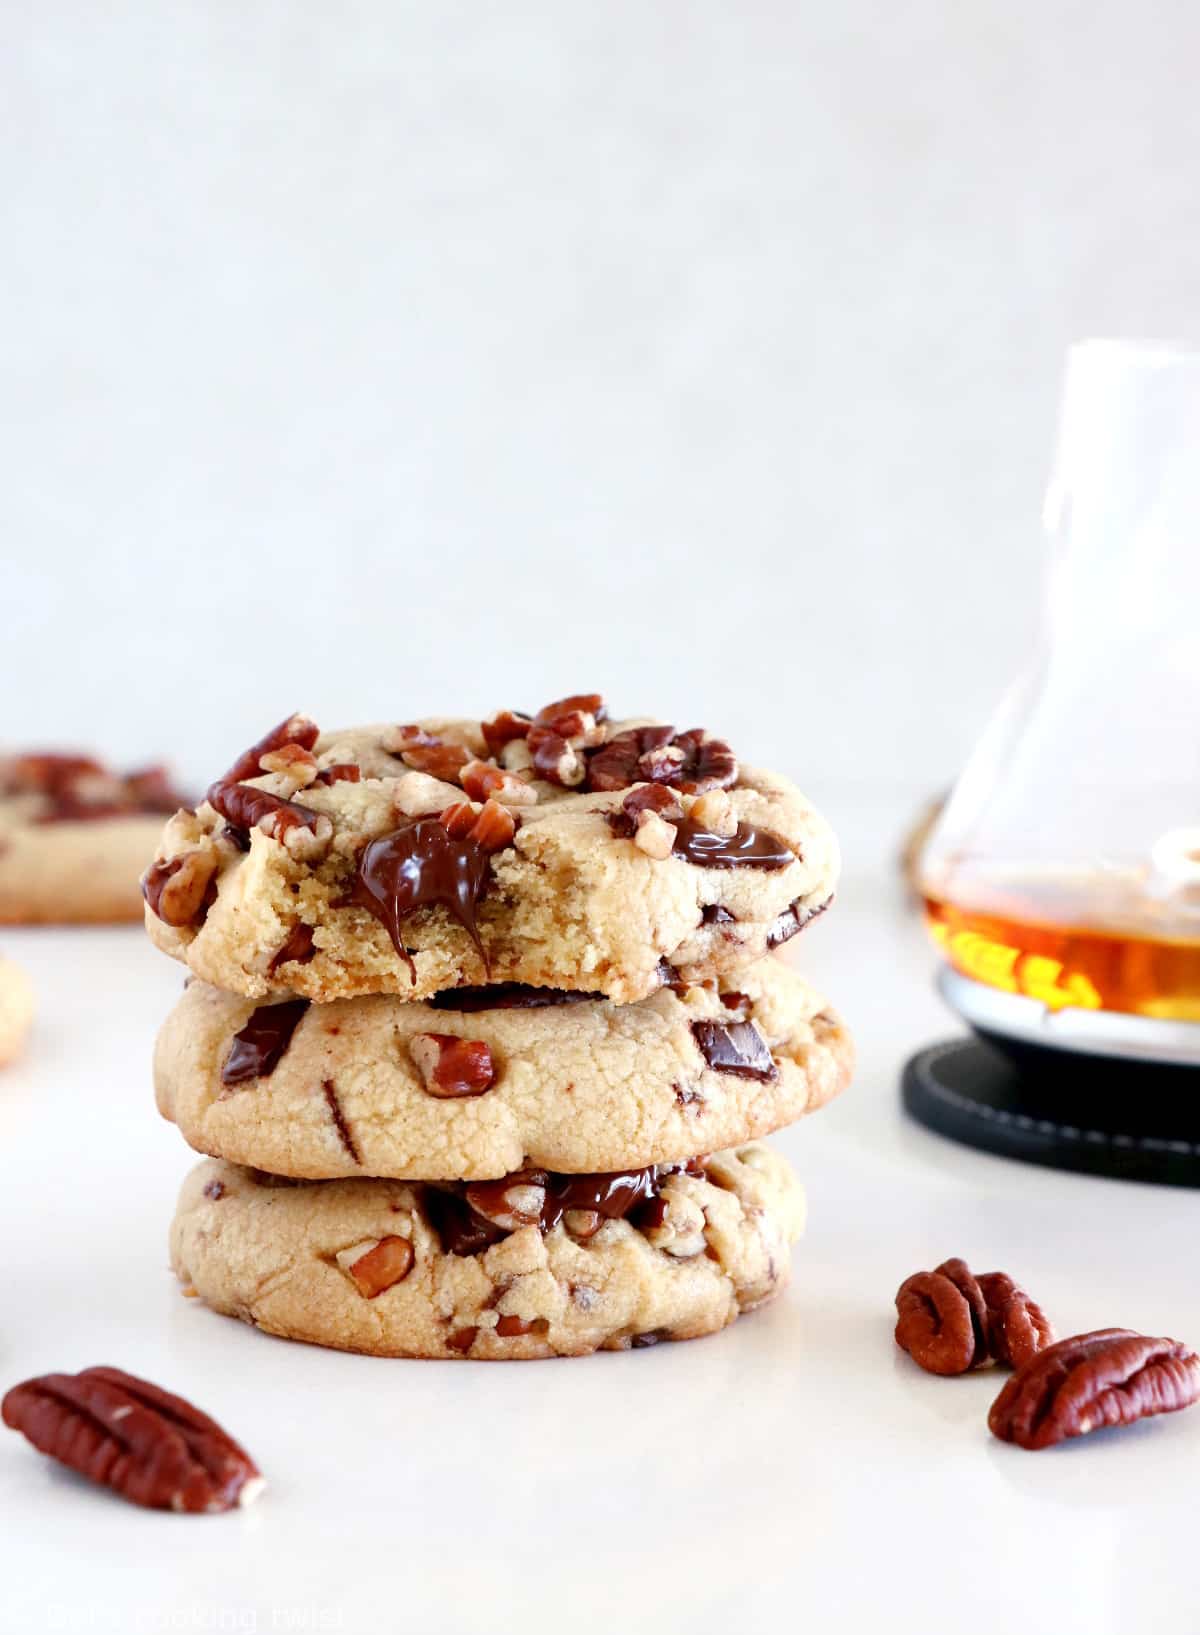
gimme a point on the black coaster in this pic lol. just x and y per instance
(1124, 1119)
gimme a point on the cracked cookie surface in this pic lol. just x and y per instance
(362, 1266)
(16, 1010)
(359, 1088)
(75, 837)
(287, 882)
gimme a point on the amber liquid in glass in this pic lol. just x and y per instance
(1103, 947)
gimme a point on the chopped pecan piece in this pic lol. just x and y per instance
(562, 714)
(1110, 1377)
(178, 891)
(516, 1201)
(554, 758)
(439, 760)
(482, 781)
(376, 1266)
(653, 797)
(450, 1066)
(509, 1327)
(654, 837)
(494, 828)
(340, 772)
(152, 1448)
(503, 729)
(292, 761)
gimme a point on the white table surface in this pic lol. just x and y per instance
(797, 1468)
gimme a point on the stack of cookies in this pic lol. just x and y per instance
(484, 1030)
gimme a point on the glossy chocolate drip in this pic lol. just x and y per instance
(505, 996)
(737, 1048)
(464, 1230)
(460, 1230)
(421, 866)
(748, 848)
(258, 1049)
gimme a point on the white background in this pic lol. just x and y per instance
(377, 358)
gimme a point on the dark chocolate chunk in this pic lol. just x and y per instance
(258, 1049)
(737, 1048)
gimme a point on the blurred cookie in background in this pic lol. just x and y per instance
(75, 837)
(16, 1010)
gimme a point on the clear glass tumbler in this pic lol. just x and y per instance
(1062, 883)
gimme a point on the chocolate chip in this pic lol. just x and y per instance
(737, 1048)
(339, 1120)
(259, 1047)
(714, 914)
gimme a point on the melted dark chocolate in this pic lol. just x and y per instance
(737, 1048)
(258, 1049)
(504, 996)
(464, 1231)
(460, 1230)
(749, 848)
(420, 866)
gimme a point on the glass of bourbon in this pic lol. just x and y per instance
(1062, 884)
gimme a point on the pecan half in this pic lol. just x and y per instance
(152, 1448)
(452, 1067)
(942, 1327)
(296, 729)
(690, 761)
(951, 1321)
(1018, 1328)
(1110, 1377)
(303, 832)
